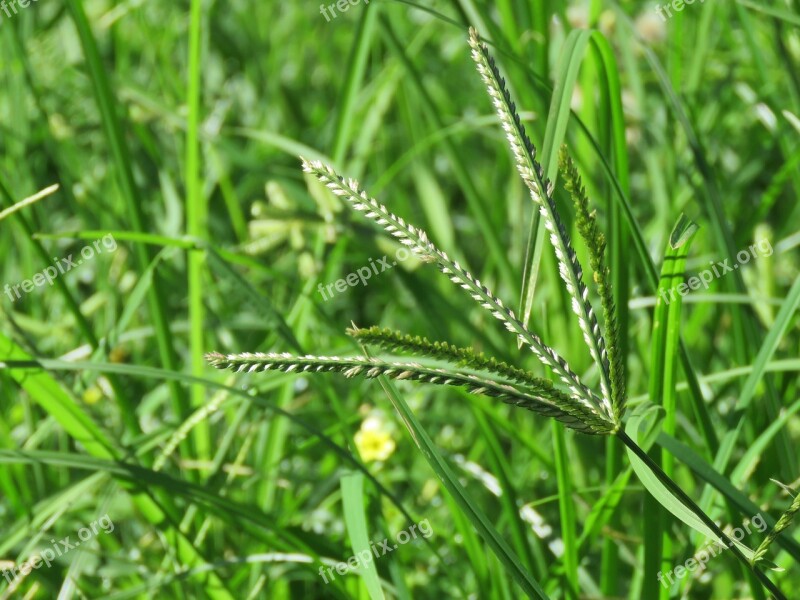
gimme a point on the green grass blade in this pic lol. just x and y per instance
(566, 507)
(672, 497)
(186, 379)
(663, 379)
(745, 326)
(126, 407)
(774, 336)
(354, 501)
(196, 217)
(48, 393)
(112, 126)
(346, 121)
(778, 13)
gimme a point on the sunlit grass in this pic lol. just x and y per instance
(176, 128)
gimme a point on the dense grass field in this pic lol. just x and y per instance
(154, 210)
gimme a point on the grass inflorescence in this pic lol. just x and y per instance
(560, 394)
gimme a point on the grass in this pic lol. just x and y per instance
(176, 129)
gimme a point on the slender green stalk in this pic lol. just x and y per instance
(196, 217)
(566, 508)
(663, 379)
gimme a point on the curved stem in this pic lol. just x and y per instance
(675, 489)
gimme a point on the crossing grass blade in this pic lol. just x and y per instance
(47, 392)
(745, 506)
(652, 480)
(185, 379)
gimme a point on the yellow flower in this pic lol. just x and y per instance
(373, 440)
(92, 395)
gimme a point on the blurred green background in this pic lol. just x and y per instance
(173, 131)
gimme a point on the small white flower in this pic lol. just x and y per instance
(651, 27)
(578, 16)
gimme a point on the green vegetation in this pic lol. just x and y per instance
(183, 225)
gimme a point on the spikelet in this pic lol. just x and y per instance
(578, 407)
(419, 243)
(197, 417)
(784, 522)
(463, 357)
(542, 194)
(595, 242)
(573, 414)
(414, 239)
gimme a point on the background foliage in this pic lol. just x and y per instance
(176, 128)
